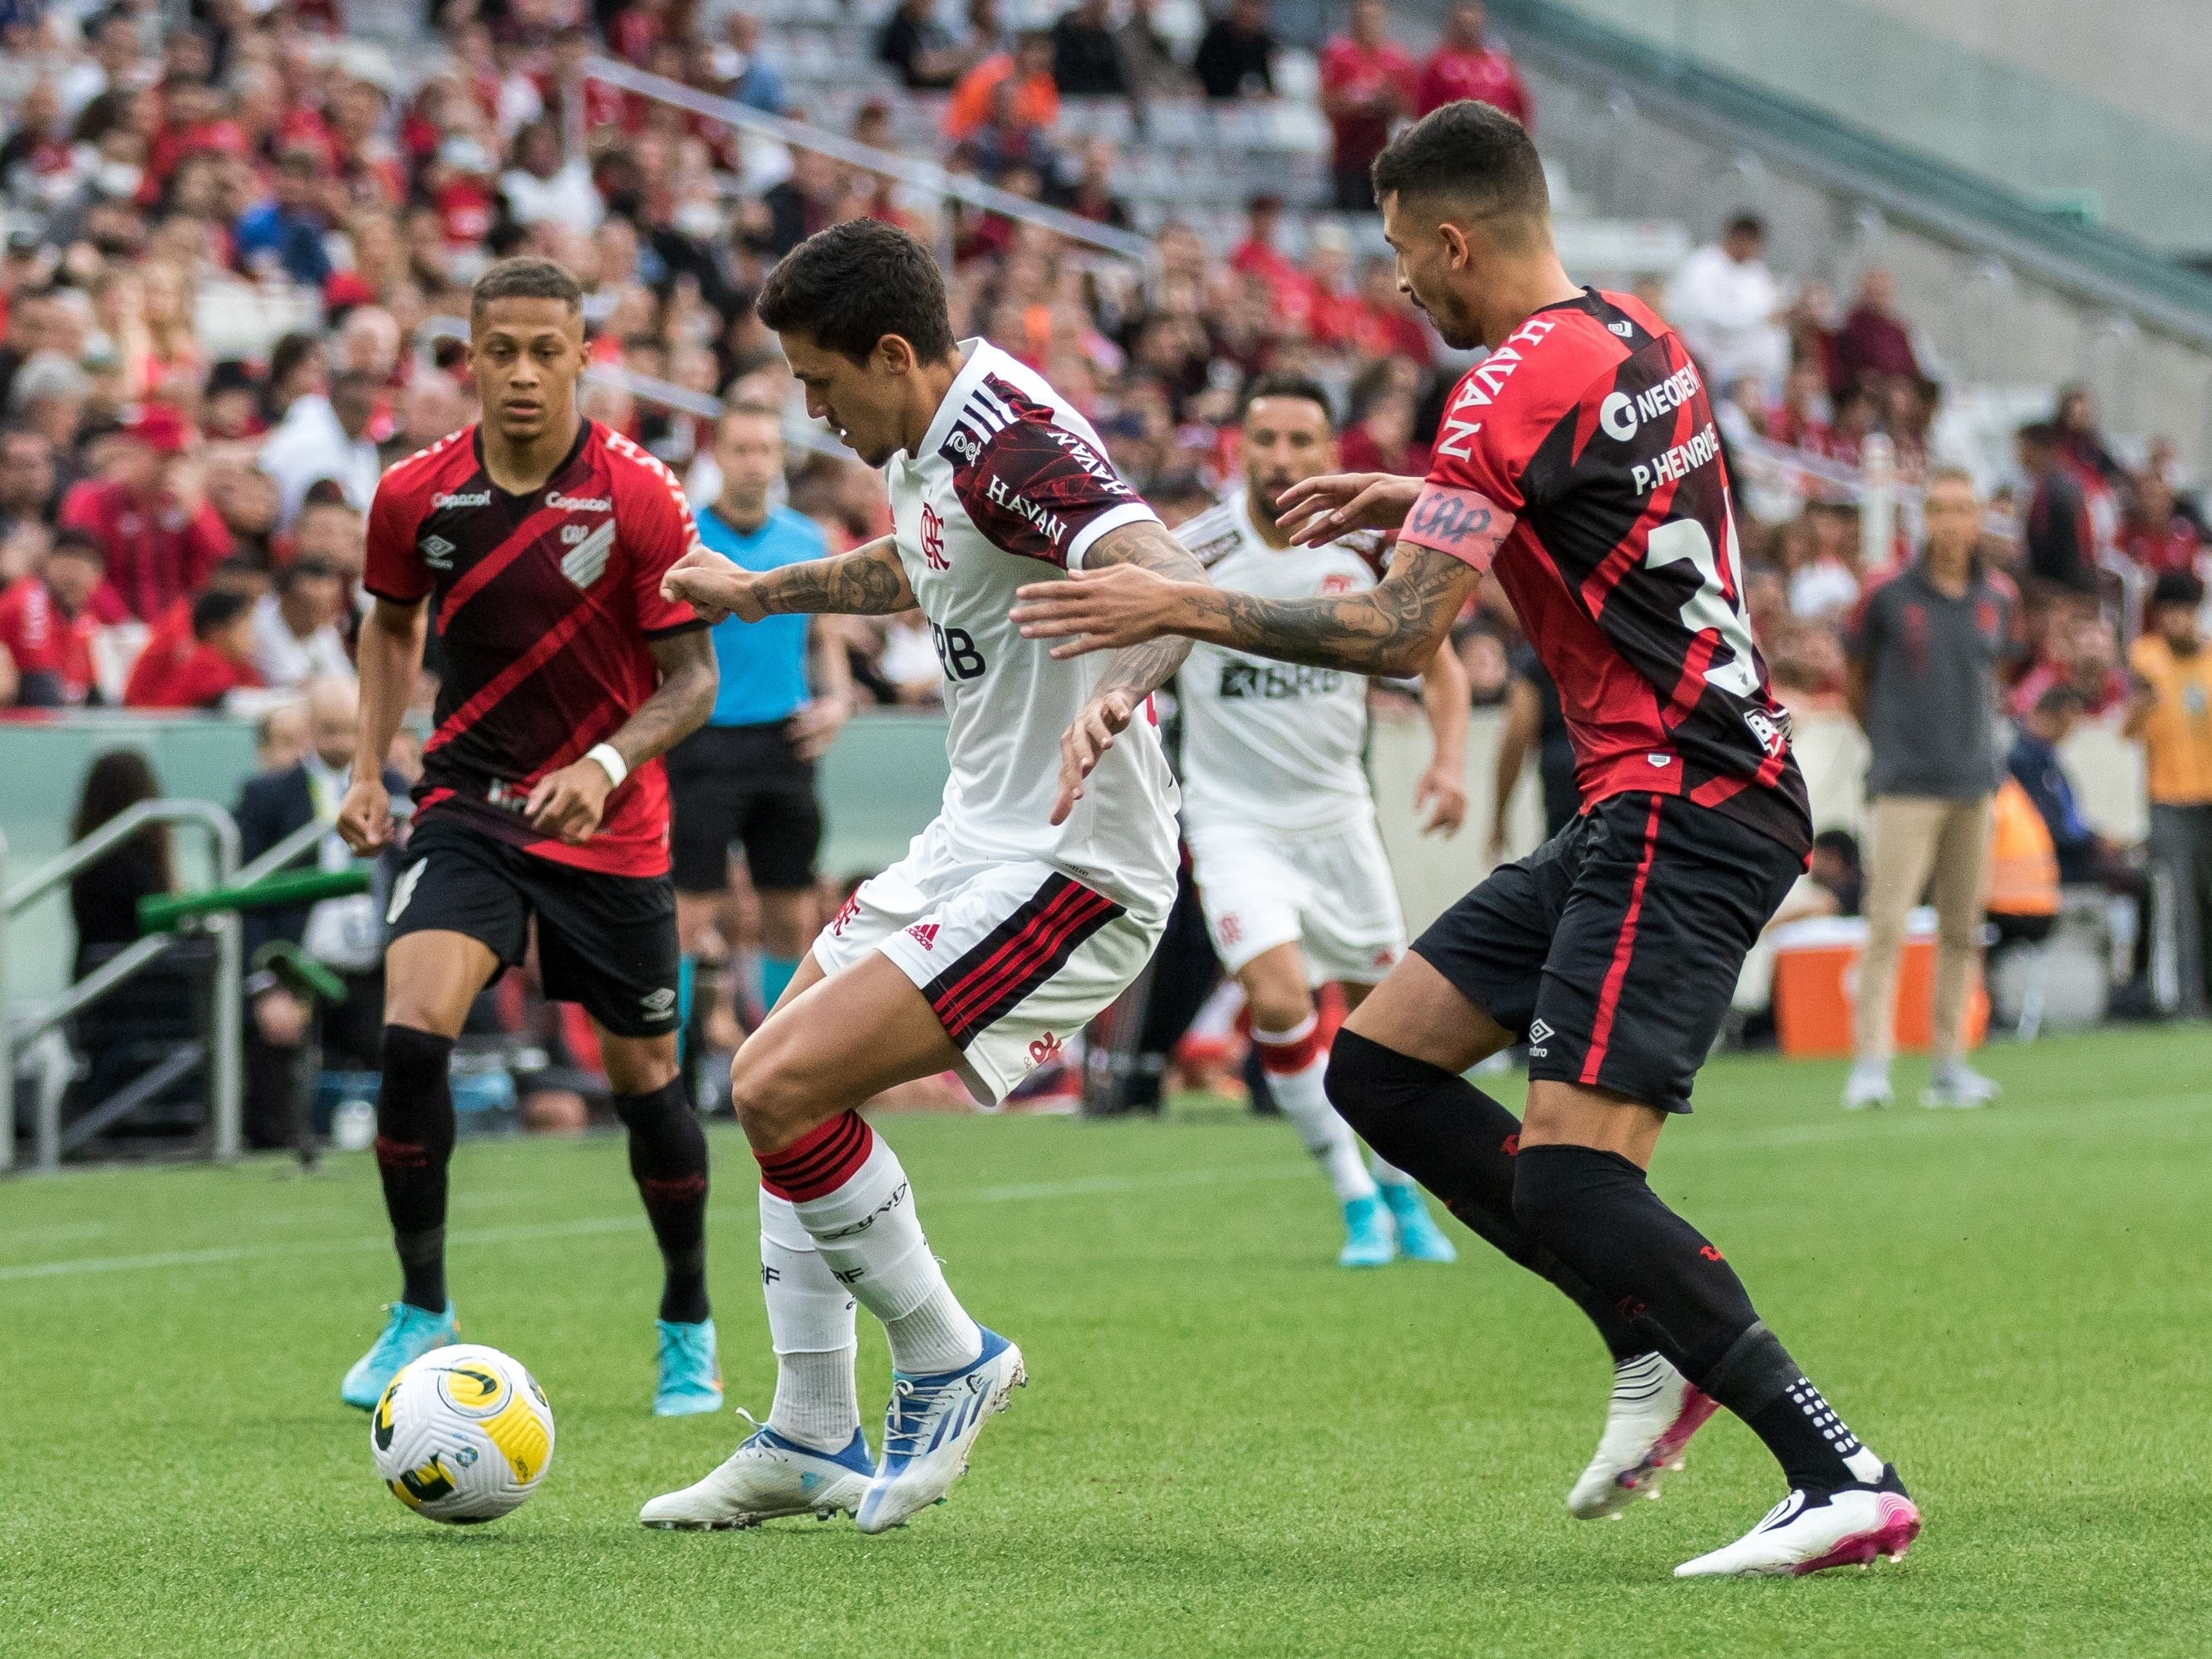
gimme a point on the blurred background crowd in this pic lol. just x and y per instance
(241, 235)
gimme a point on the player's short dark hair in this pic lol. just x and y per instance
(1471, 155)
(2178, 587)
(847, 287)
(77, 544)
(217, 608)
(1286, 385)
(307, 568)
(526, 276)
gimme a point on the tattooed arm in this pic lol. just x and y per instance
(869, 581)
(1139, 667)
(1448, 537)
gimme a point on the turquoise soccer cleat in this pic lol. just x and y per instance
(409, 1333)
(1369, 1241)
(1419, 1238)
(690, 1376)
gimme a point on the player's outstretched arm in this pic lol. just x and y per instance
(569, 802)
(868, 581)
(1393, 627)
(1140, 668)
(391, 656)
(1442, 789)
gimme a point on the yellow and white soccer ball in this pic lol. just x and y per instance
(462, 1435)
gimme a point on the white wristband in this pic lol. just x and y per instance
(610, 762)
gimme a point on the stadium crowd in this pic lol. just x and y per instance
(230, 242)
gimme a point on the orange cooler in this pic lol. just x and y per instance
(1816, 976)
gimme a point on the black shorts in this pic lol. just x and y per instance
(607, 942)
(742, 783)
(1615, 946)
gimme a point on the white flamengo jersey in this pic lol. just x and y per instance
(1269, 744)
(1011, 485)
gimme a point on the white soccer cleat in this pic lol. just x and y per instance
(1803, 1535)
(768, 1477)
(1655, 1410)
(931, 1424)
(1961, 1086)
(1867, 1086)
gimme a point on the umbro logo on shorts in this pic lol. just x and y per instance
(659, 1003)
(1539, 1035)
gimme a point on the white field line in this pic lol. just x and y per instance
(583, 1226)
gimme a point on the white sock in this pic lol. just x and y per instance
(811, 1320)
(1298, 1089)
(868, 1234)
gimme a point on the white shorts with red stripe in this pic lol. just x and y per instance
(1015, 956)
(1329, 891)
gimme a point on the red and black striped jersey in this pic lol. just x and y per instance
(1588, 428)
(545, 604)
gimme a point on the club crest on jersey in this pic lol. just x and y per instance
(932, 539)
(437, 552)
(588, 561)
(1773, 735)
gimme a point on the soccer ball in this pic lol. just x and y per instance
(462, 1435)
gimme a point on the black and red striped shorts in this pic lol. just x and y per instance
(1615, 946)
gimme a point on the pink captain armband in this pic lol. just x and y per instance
(1452, 519)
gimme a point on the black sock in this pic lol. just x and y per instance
(1758, 1381)
(413, 1144)
(1460, 1144)
(668, 1159)
(1597, 1210)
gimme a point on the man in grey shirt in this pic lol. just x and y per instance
(1925, 646)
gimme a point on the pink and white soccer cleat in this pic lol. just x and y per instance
(1811, 1534)
(1655, 1410)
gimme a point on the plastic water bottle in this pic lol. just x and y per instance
(353, 1125)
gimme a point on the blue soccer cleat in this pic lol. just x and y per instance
(1419, 1238)
(409, 1333)
(931, 1426)
(690, 1376)
(1369, 1241)
(768, 1477)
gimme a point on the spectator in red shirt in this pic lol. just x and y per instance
(2156, 536)
(155, 528)
(1367, 81)
(1800, 420)
(1336, 304)
(1466, 65)
(46, 624)
(1381, 437)
(1257, 255)
(1386, 326)
(201, 673)
(1872, 344)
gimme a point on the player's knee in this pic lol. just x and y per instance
(639, 1066)
(771, 1098)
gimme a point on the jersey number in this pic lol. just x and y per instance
(955, 650)
(1708, 609)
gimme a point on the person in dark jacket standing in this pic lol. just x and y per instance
(2057, 538)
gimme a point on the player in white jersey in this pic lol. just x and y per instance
(1279, 818)
(1014, 917)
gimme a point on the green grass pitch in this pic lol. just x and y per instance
(1229, 1446)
